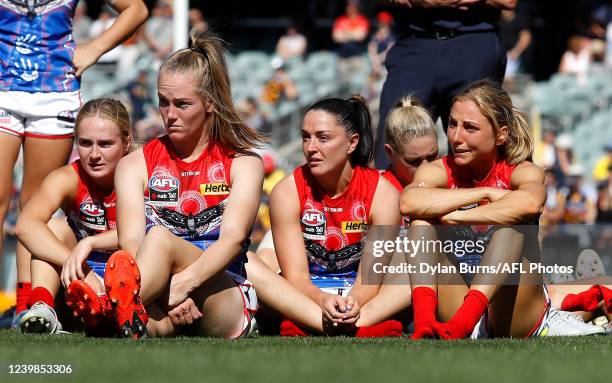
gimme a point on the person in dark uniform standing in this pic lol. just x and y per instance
(443, 46)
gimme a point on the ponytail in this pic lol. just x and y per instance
(205, 59)
(354, 116)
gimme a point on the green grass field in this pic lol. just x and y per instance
(312, 360)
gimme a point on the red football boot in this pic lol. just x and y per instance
(122, 282)
(93, 309)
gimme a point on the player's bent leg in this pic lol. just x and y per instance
(424, 285)
(278, 294)
(40, 157)
(161, 255)
(9, 150)
(265, 251)
(390, 300)
(394, 296)
(223, 306)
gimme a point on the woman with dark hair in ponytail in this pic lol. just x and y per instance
(185, 206)
(488, 179)
(321, 215)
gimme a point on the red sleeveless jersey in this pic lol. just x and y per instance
(334, 228)
(498, 177)
(388, 174)
(91, 212)
(188, 198)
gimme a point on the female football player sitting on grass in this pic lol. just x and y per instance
(321, 215)
(486, 180)
(73, 250)
(411, 140)
(186, 203)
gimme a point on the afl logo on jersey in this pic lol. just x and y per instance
(92, 216)
(313, 217)
(163, 183)
(164, 190)
(91, 209)
(313, 224)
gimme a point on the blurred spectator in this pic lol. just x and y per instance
(251, 113)
(577, 58)
(555, 200)
(545, 154)
(132, 49)
(604, 199)
(601, 28)
(279, 88)
(103, 22)
(291, 45)
(152, 126)
(350, 32)
(158, 32)
(516, 35)
(380, 43)
(197, 21)
(81, 23)
(563, 158)
(601, 171)
(139, 94)
(580, 204)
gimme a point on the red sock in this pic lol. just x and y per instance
(585, 301)
(23, 294)
(425, 304)
(607, 297)
(288, 328)
(389, 328)
(40, 294)
(462, 323)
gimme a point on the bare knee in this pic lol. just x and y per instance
(254, 266)
(158, 234)
(158, 237)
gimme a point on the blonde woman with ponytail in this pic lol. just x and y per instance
(487, 179)
(72, 251)
(185, 206)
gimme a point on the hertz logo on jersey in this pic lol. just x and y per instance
(214, 189)
(354, 226)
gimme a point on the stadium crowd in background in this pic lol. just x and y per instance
(577, 193)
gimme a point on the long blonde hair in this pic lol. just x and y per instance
(205, 58)
(408, 119)
(496, 105)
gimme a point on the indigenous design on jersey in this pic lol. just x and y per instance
(36, 49)
(334, 229)
(189, 198)
(91, 213)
